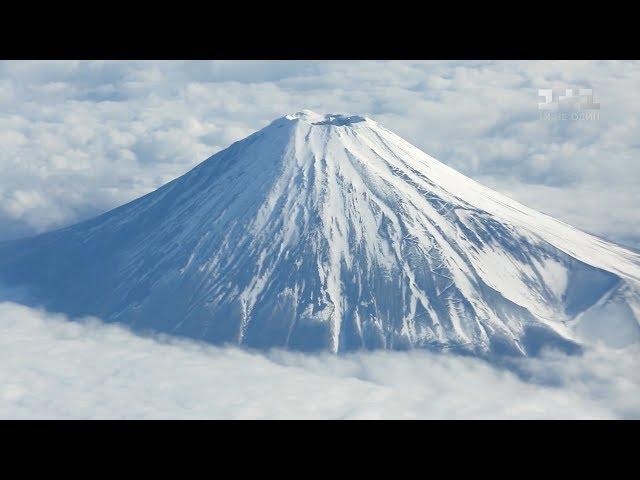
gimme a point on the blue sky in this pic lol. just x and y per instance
(81, 137)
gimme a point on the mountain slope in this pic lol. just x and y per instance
(331, 232)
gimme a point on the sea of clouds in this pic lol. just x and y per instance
(81, 137)
(51, 367)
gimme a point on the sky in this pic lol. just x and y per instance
(81, 137)
(53, 368)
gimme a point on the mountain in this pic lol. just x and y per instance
(331, 232)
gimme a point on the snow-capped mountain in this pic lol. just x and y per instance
(331, 232)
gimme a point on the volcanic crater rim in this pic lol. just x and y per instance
(334, 119)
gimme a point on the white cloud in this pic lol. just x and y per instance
(91, 135)
(54, 368)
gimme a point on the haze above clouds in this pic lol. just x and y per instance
(53, 368)
(81, 137)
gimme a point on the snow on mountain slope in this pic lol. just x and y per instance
(331, 232)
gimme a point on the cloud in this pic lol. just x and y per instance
(54, 368)
(90, 135)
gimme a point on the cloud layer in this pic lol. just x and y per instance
(53, 368)
(80, 137)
